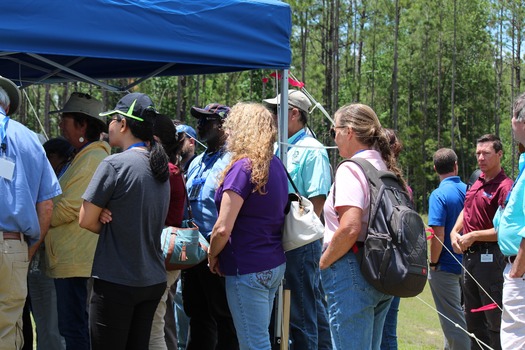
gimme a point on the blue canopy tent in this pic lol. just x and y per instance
(62, 40)
(92, 40)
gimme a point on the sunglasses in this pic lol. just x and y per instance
(118, 118)
(333, 128)
(203, 120)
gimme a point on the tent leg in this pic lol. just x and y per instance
(285, 336)
(282, 318)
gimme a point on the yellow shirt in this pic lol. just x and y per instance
(70, 248)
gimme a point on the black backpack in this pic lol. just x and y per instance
(394, 255)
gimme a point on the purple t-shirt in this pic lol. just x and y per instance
(255, 243)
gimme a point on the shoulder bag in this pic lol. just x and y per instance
(183, 247)
(301, 224)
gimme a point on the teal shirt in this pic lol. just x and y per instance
(308, 167)
(510, 222)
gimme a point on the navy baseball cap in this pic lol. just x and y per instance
(211, 110)
(132, 106)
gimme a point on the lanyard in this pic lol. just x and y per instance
(207, 163)
(301, 135)
(3, 125)
(138, 144)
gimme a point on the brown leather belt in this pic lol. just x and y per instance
(12, 235)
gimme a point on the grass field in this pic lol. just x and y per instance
(418, 325)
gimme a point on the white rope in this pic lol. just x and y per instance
(36, 115)
(464, 268)
(301, 146)
(313, 100)
(472, 335)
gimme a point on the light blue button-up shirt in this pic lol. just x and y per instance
(33, 181)
(309, 168)
(206, 168)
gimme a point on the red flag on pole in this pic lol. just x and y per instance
(295, 83)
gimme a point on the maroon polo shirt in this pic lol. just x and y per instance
(482, 201)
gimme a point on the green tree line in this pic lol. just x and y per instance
(439, 72)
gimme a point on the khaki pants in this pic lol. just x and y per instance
(13, 291)
(156, 340)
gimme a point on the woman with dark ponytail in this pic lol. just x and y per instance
(126, 203)
(166, 134)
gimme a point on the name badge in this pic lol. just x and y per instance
(487, 258)
(7, 168)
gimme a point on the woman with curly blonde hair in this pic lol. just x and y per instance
(246, 242)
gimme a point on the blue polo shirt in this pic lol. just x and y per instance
(309, 168)
(444, 206)
(510, 222)
(33, 181)
(202, 182)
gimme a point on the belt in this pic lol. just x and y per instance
(478, 247)
(12, 235)
(510, 259)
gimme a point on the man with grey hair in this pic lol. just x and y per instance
(509, 223)
(309, 167)
(27, 186)
(445, 204)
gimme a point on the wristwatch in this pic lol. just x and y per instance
(431, 264)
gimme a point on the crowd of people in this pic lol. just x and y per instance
(80, 231)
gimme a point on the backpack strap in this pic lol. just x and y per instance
(374, 183)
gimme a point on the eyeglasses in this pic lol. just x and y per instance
(117, 118)
(333, 128)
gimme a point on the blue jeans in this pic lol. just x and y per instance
(250, 298)
(357, 310)
(182, 320)
(73, 322)
(42, 292)
(389, 340)
(309, 328)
